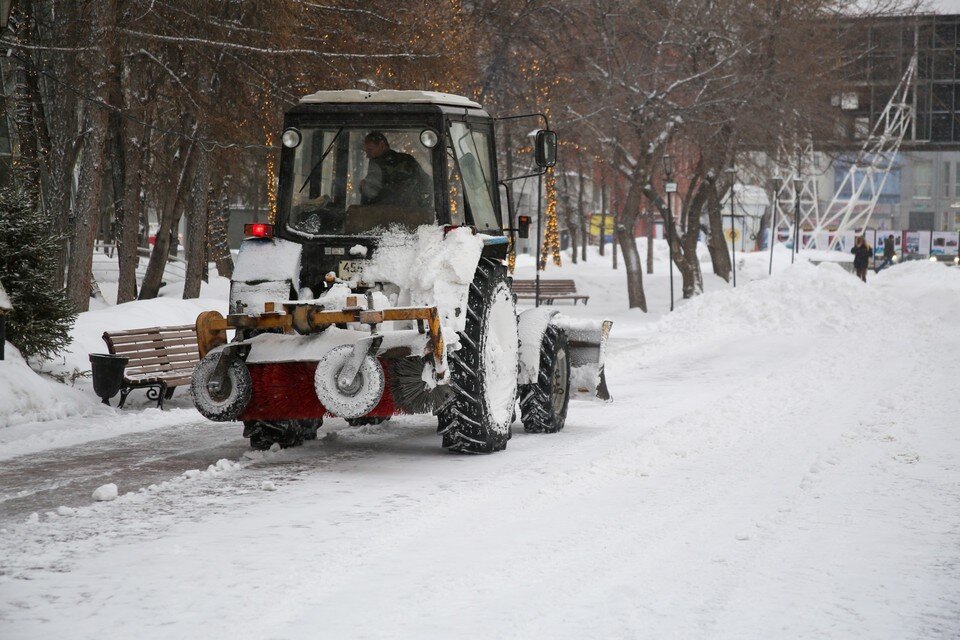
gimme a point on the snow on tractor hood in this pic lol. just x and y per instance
(431, 269)
(267, 260)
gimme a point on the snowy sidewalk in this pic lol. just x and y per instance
(780, 461)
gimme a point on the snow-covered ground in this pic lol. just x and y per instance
(780, 461)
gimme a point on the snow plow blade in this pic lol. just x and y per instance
(588, 345)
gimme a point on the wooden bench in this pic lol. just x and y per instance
(161, 359)
(550, 290)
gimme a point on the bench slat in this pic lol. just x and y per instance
(135, 351)
(152, 337)
(163, 365)
(179, 379)
(133, 332)
(175, 372)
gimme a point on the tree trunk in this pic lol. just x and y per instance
(569, 216)
(628, 247)
(581, 212)
(603, 208)
(169, 219)
(631, 260)
(27, 162)
(125, 159)
(129, 226)
(218, 226)
(614, 203)
(689, 265)
(196, 245)
(92, 164)
(650, 234)
(717, 243)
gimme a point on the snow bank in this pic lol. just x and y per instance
(802, 298)
(26, 396)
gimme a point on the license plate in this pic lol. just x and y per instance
(351, 269)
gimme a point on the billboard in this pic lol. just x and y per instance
(944, 243)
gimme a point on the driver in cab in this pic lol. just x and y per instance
(393, 178)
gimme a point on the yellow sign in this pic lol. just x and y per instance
(608, 224)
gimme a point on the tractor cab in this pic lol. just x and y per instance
(355, 164)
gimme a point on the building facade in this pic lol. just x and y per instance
(922, 191)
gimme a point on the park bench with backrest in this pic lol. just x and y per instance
(550, 290)
(160, 359)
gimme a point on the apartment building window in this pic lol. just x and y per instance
(956, 179)
(923, 179)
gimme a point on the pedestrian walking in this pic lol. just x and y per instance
(861, 257)
(889, 251)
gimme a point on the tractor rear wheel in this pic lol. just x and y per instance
(483, 371)
(543, 404)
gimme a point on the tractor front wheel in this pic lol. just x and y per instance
(483, 371)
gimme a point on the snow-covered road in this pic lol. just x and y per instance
(780, 461)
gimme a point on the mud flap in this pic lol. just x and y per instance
(588, 345)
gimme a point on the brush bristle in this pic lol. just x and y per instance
(410, 392)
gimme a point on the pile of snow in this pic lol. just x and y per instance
(26, 396)
(803, 298)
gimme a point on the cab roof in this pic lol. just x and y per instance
(389, 96)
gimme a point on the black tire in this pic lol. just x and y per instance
(543, 404)
(477, 419)
(230, 401)
(264, 434)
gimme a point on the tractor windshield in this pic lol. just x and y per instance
(352, 181)
(473, 157)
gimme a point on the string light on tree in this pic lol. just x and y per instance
(551, 236)
(271, 180)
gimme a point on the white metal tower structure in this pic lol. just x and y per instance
(856, 197)
(796, 173)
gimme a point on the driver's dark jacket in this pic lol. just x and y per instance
(396, 179)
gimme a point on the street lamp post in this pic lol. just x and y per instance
(773, 219)
(670, 187)
(797, 185)
(733, 225)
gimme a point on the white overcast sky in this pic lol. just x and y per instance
(945, 6)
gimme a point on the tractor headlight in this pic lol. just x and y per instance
(933, 258)
(956, 259)
(429, 138)
(291, 138)
(896, 258)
